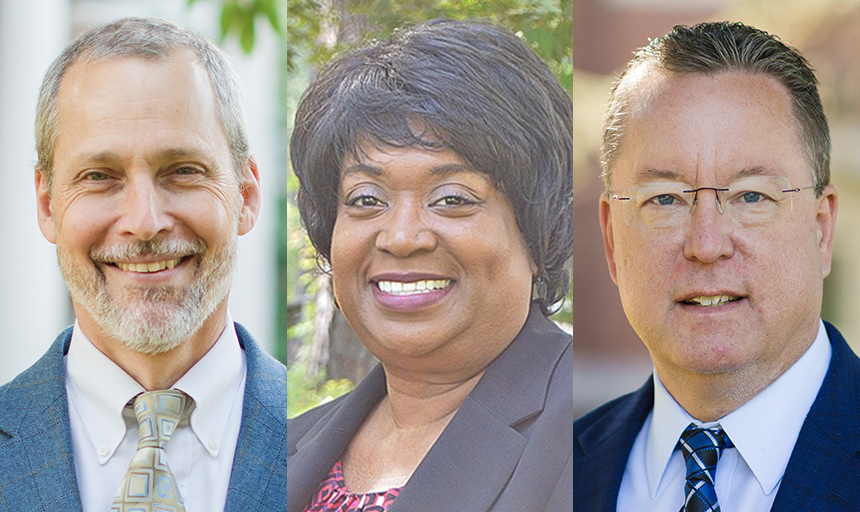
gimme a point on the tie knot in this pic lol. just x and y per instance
(158, 414)
(704, 442)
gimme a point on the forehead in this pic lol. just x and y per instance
(136, 102)
(709, 128)
(377, 159)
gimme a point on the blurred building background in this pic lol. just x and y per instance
(609, 359)
(34, 304)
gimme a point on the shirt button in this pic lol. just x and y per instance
(103, 451)
(213, 444)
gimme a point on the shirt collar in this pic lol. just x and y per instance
(785, 403)
(213, 382)
(100, 390)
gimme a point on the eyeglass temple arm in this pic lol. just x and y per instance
(799, 189)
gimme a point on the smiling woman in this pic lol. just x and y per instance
(435, 176)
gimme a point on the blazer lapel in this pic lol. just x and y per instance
(258, 481)
(475, 457)
(311, 459)
(823, 473)
(37, 469)
(605, 447)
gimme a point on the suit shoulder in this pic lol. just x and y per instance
(630, 408)
(35, 389)
(259, 361)
(597, 414)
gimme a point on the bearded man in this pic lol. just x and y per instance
(154, 399)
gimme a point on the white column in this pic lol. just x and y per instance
(34, 306)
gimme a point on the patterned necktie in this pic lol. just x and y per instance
(702, 449)
(149, 485)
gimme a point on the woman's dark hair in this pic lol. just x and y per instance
(480, 92)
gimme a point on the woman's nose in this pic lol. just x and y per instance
(406, 231)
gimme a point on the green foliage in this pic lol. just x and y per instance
(238, 18)
(319, 32)
(304, 393)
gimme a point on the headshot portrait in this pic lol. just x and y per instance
(154, 398)
(434, 171)
(718, 220)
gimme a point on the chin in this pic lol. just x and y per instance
(402, 348)
(715, 360)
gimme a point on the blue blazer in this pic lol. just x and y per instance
(823, 473)
(507, 448)
(37, 467)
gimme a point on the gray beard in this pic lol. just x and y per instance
(152, 320)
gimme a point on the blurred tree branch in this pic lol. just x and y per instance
(238, 18)
(320, 29)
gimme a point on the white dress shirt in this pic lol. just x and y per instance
(105, 431)
(763, 430)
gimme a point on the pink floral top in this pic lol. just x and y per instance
(333, 496)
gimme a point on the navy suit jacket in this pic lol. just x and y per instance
(823, 473)
(37, 468)
(507, 448)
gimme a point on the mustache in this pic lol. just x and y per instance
(172, 247)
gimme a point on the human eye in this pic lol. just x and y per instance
(752, 197)
(364, 198)
(663, 200)
(95, 176)
(185, 173)
(455, 199)
(97, 180)
(364, 201)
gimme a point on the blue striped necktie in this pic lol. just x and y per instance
(702, 448)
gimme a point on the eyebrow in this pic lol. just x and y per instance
(756, 171)
(652, 175)
(372, 170)
(166, 154)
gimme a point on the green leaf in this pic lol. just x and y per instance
(247, 37)
(270, 9)
(229, 14)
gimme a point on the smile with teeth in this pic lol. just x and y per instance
(712, 301)
(149, 267)
(416, 287)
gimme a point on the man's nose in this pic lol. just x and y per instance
(143, 209)
(708, 230)
(406, 231)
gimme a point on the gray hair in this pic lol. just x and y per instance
(148, 39)
(710, 48)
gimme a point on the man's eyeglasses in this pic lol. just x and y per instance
(752, 200)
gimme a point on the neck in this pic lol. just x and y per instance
(157, 371)
(711, 396)
(414, 404)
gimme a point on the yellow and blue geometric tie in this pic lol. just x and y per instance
(702, 449)
(149, 485)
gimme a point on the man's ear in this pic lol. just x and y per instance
(608, 239)
(825, 218)
(249, 189)
(44, 209)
